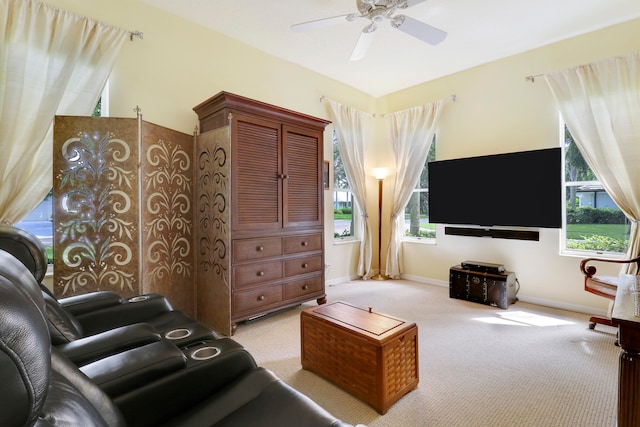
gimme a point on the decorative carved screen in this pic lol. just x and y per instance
(122, 192)
(213, 191)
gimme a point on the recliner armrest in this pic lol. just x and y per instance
(258, 395)
(178, 392)
(132, 310)
(135, 368)
(89, 349)
(86, 303)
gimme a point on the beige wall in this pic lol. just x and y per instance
(498, 110)
(179, 64)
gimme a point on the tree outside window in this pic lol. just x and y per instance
(417, 210)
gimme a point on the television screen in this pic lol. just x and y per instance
(514, 189)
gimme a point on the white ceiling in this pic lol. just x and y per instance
(479, 31)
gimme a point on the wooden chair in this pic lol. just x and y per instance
(604, 286)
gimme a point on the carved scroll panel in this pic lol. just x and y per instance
(122, 209)
(212, 218)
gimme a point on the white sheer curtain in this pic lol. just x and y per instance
(51, 62)
(600, 103)
(411, 133)
(351, 126)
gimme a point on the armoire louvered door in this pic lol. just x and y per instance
(303, 177)
(257, 164)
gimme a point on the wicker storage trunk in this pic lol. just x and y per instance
(371, 355)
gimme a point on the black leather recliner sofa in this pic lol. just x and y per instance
(98, 324)
(42, 387)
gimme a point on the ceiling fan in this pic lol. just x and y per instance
(376, 11)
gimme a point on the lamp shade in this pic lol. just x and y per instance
(380, 173)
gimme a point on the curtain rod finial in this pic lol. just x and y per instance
(138, 34)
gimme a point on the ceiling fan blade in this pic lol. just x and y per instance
(321, 23)
(418, 29)
(363, 43)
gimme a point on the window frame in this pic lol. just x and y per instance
(355, 210)
(563, 249)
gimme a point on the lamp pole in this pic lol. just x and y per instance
(380, 174)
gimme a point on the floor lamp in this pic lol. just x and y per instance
(380, 174)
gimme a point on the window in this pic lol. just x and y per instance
(593, 222)
(416, 213)
(344, 206)
(40, 220)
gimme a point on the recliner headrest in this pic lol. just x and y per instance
(25, 246)
(25, 354)
(18, 274)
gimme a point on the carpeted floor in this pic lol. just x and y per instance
(479, 365)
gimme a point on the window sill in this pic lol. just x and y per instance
(592, 254)
(344, 241)
(420, 240)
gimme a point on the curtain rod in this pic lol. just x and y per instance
(132, 34)
(452, 97)
(532, 78)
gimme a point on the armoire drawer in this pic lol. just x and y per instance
(304, 243)
(302, 265)
(250, 249)
(254, 300)
(258, 272)
(302, 287)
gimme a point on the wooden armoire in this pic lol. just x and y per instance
(258, 210)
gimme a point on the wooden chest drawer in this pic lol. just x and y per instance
(251, 249)
(302, 287)
(258, 272)
(304, 243)
(308, 264)
(256, 300)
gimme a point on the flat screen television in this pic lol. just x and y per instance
(521, 189)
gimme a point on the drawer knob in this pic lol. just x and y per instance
(305, 287)
(305, 243)
(305, 265)
(260, 273)
(261, 298)
(260, 248)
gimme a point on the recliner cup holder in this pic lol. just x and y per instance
(177, 334)
(139, 298)
(205, 353)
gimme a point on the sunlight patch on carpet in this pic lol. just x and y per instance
(523, 318)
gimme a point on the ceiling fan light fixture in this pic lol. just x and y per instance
(370, 28)
(397, 21)
(353, 16)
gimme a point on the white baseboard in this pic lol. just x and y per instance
(524, 298)
(341, 280)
